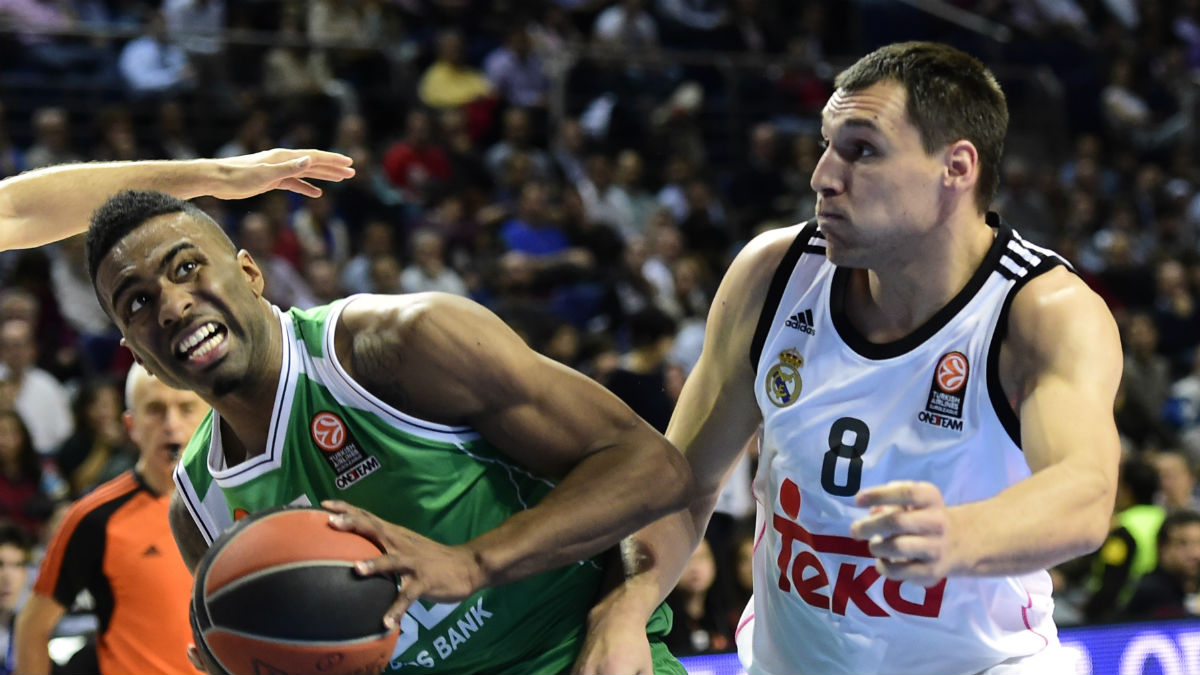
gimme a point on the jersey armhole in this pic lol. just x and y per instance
(783, 273)
(1004, 412)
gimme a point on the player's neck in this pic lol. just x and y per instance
(247, 410)
(890, 301)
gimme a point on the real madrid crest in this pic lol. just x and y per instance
(783, 379)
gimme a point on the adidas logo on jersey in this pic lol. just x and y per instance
(803, 322)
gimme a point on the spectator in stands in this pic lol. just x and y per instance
(626, 26)
(385, 275)
(97, 340)
(756, 188)
(1170, 591)
(153, 65)
(285, 286)
(604, 201)
(22, 497)
(517, 137)
(41, 400)
(1130, 550)
(12, 160)
(99, 450)
(1177, 480)
(1183, 408)
(253, 135)
(417, 165)
(16, 553)
(116, 544)
(293, 70)
(628, 179)
(171, 137)
(115, 139)
(450, 82)
(1020, 201)
(321, 231)
(641, 378)
(428, 271)
(1146, 379)
(1176, 314)
(701, 624)
(52, 139)
(516, 71)
(199, 27)
(470, 175)
(37, 25)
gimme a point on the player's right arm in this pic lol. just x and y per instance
(188, 538)
(45, 205)
(715, 416)
(33, 627)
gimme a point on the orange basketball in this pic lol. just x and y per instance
(278, 593)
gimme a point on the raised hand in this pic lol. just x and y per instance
(280, 169)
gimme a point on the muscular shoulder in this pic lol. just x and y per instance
(749, 276)
(1057, 323)
(426, 353)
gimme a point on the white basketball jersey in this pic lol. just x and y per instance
(841, 414)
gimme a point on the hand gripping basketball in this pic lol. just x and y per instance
(424, 568)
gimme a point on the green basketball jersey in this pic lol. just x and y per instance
(332, 439)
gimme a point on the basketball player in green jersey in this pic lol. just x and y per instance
(488, 473)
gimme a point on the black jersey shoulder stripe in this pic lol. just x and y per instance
(779, 282)
(1004, 411)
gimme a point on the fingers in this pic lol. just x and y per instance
(916, 571)
(407, 594)
(919, 494)
(301, 187)
(893, 521)
(905, 548)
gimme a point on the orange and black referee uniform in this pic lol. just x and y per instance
(116, 543)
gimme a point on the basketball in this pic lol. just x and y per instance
(278, 593)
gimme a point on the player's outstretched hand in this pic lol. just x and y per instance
(425, 568)
(908, 530)
(280, 169)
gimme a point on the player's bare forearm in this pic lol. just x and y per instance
(45, 205)
(608, 495)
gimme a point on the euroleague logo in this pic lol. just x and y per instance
(952, 372)
(328, 431)
(944, 407)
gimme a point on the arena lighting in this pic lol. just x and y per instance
(1151, 648)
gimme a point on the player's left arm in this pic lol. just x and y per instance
(1062, 364)
(448, 359)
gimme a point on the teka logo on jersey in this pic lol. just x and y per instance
(945, 405)
(805, 573)
(783, 381)
(349, 462)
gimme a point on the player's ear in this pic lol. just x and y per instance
(961, 166)
(251, 271)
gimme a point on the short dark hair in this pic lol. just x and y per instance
(1140, 478)
(951, 96)
(11, 533)
(1173, 520)
(123, 213)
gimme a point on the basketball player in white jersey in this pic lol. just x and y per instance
(933, 397)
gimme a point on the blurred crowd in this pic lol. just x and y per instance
(587, 169)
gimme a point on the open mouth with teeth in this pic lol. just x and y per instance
(203, 344)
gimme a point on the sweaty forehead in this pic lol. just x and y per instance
(881, 104)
